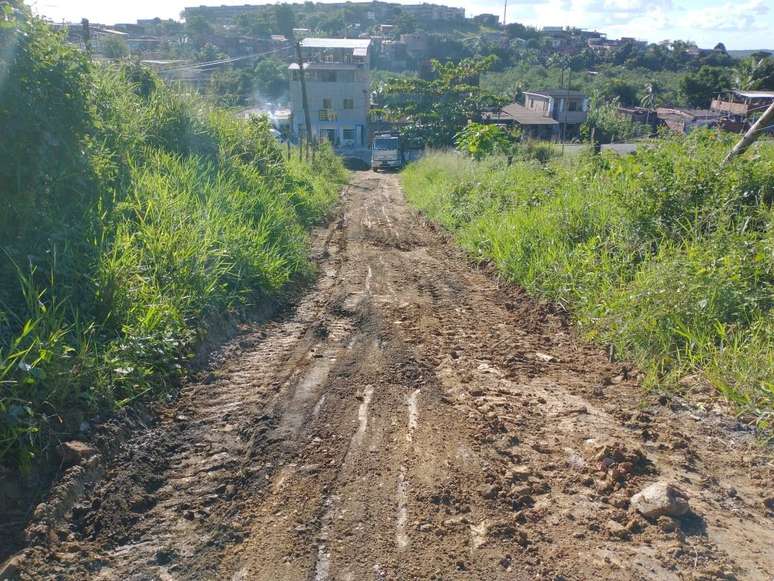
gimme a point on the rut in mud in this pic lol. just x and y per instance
(412, 418)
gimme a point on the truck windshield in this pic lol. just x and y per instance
(386, 143)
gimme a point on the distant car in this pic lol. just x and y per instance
(386, 152)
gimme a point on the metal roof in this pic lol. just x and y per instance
(755, 94)
(524, 116)
(556, 93)
(327, 67)
(336, 43)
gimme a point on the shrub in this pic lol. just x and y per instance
(131, 217)
(663, 255)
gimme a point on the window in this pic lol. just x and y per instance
(346, 76)
(349, 104)
(327, 76)
(573, 106)
(327, 103)
(348, 134)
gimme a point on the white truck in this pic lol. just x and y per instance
(386, 152)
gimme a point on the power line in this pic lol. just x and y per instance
(224, 61)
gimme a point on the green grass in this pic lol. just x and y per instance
(662, 255)
(133, 217)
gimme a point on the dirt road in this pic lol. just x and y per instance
(412, 418)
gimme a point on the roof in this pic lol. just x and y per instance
(352, 43)
(327, 67)
(755, 94)
(556, 93)
(683, 114)
(523, 116)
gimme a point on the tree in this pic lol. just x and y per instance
(284, 19)
(479, 140)
(755, 74)
(405, 24)
(620, 91)
(698, 88)
(437, 109)
(114, 48)
(198, 29)
(271, 78)
(253, 24)
(608, 125)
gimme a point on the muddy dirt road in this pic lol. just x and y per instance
(412, 418)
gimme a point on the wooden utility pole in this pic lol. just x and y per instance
(763, 123)
(304, 101)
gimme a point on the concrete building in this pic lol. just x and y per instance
(566, 107)
(336, 72)
(548, 114)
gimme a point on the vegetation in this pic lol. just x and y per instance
(663, 255)
(132, 218)
(479, 140)
(608, 126)
(437, 109)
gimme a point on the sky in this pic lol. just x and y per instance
(740, 24)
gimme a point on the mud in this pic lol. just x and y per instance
(413, 418)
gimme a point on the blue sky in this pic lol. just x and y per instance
(741, 24)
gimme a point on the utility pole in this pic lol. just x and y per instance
(763, 123)
(305, 102)
(86, 33)
(505, 12)
(562, 113)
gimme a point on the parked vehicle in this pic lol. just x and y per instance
(386, 152)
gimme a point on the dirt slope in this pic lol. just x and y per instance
(413, 419)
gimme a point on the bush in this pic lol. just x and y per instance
(663, 255)
(131, 217)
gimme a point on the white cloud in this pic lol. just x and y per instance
(730, 17)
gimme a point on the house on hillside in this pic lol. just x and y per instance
(567, 107)
(551, 114)
(336, 74)
(739, 106)
(683, 120)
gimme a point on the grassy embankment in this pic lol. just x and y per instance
(662, 255)
(131, 219)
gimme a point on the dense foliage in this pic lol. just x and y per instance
(664, 255)
(132, 218)
(437, 108)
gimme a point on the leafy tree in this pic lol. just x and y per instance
(283, 19)
(699, 87)
(253, 24)
(755, 74)
(482, 140)
(115, 48)
(405, 24)
(438, 108)
(199, 29)
(232, 86)
(608, 125)
(621, 91)
(271, 78)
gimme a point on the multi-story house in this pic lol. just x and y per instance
(568, 108)
(553, 114)
(336, 74)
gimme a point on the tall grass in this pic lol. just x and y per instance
(663, 255)
(132, 217)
